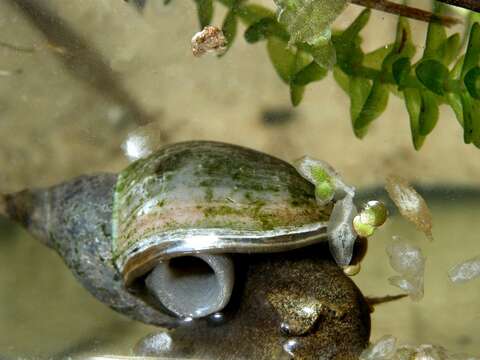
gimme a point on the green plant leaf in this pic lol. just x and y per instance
(323, 53)
(436, 37)
(428, 113)
(287, 60)
(400, 70)
(204, 12)
(433, 75)
(375, 58)
(373, 107)
(282, 58)
(471, 119)
(467, 118)
(472, 55)
(347, 44)
(455, 102)
(342, 79)
(456, 71)
(229, 29)
(449, 50)
(252, 13)
(311, 73)
(472, 82)
(263, 29)
(296, 94)
(403, 46)
(413, 101)
(353, 30)
(358, 90)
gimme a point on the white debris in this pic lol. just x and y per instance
(210, 39)
(386, 349)
(340, 231)
(383, 349)
(466, 271)
(404, 257)
(431, 352)
(142, 142)
(410, 204)
(409, 262)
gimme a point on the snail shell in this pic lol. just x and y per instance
(202, 197)
(157, 242)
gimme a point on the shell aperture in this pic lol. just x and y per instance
(193, 286)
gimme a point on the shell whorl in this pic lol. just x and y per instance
(208, 197)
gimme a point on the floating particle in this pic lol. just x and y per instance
(413, 286)
(340, 231)
(210, 39)
(142, 141)
(386, 349)
(410, 204)
(405, 258)
(409, 262)
(465, 271)
(431, 352)
(382, 349)
(405, 352)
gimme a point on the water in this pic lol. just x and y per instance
(41, 299)
(57, 123)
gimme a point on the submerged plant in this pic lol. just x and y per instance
(303, 49)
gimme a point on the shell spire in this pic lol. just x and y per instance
(30, 209)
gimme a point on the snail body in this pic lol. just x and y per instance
(201, 230)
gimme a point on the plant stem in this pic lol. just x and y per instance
(473, 5)
(407, 11)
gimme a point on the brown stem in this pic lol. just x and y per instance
(473, 5)
(406, 11)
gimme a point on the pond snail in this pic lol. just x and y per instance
(229, 237)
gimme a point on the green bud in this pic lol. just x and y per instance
(324, 187)
(324, 191)
(319, 175)
(362, 229)
(373, 215)
(376, 213)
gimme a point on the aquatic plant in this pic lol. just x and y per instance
(303, 50)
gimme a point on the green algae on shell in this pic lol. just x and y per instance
(206, 196)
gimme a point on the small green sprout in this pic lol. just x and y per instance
(324, 185)
(373, 215)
